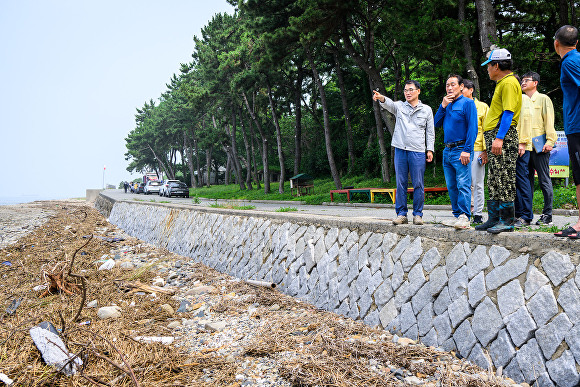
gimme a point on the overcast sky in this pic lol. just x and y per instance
(72, 74)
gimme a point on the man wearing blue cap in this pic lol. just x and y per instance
(501, 140)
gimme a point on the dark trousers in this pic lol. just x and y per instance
(524, 189)
(540, 162)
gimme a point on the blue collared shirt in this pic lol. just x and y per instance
(570, 82)
(459, 122)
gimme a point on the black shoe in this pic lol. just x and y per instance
(477, 219)
(520, 222)
(545, 220)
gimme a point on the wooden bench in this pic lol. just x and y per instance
(392, 192)
(370, 192)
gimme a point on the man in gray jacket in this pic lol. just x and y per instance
(414, 142)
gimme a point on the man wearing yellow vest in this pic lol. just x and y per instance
(501, 141)
(479, 156)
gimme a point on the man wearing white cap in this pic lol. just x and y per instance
(501, 140)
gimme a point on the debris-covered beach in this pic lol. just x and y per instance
(131, 314)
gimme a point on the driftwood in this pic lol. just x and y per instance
(137, 286)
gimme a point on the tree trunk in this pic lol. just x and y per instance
(189, 149)
(471, 73)
(264, 145)
(248, 153)
(208, 153)
(235, 156)
(486, 24)
(253, 154)
(385, 173)
(228, 167)
(349, 139)
(278, 139)
(298, 121)
(563, 13)
(169, 176)
(327, 139)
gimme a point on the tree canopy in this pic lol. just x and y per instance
(283, 87)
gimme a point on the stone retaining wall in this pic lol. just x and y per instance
(521, 309)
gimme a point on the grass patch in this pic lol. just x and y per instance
(564, 197)
(286, 209)
(138, 200)
(232, 206)
(164, 201)
(320, 193)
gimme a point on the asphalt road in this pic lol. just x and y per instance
(384, 212)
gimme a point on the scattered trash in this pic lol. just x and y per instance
(106, 239)
(133, 287)
(155, 339)
(88, 322)
(14, 305)
(108, 265)
(54, 351)
(7, 263)
(262, 284)
(38, 288)
(5, 379)
(48, 326)
(158, 281)
(84, 253)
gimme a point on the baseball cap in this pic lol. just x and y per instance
(499, 54)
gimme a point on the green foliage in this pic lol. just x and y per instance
(232, 206)
(259, 51)
(287, 209)
(564, 197)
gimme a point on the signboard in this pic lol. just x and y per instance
(559, 159)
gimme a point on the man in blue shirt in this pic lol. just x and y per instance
(458, 117)
(565, 42)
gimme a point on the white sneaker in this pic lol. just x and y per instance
(462, 222)
(450, 222)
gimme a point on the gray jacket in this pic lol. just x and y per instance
(414, 128)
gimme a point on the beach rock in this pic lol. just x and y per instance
(92, 304)
(168, 309)
(107, 312)
(216, 326)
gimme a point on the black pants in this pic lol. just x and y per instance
(540, 162)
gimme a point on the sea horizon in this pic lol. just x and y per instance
(21, 199)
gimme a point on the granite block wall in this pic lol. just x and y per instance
(492, 305)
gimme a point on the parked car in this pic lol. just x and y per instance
(177, 189)
(152, 186)
(140, 188)
(165, 185)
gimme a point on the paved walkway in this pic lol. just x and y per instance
(381, 212)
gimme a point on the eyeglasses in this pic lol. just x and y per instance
(527, 80)
(409, 90)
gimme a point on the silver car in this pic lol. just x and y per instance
(152, 186)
